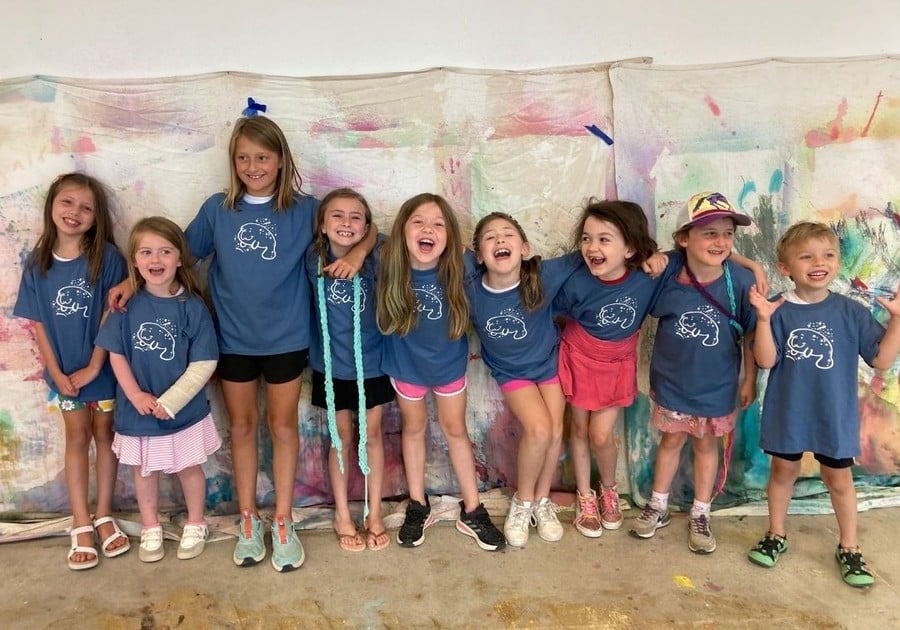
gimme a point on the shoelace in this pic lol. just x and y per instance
(770, 545)
(545, 511)
(700, 525)
(649, 513)
(520, 515)
(587, 507)
(610, 500)
(853, 563)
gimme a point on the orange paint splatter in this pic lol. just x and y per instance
(83, 145)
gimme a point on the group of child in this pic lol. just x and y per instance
(390, 321)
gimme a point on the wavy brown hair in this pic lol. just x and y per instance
(169, 230)
(629, 218)
(397, 304)
(320, 239)
(531, 289)
(93, 242)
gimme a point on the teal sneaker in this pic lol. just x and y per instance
(287, 552)
(250, 548)
(853, 568)
(767, 550)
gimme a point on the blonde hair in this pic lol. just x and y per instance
(397, 304)
(169, 230)
(800, 233)
(264, 132)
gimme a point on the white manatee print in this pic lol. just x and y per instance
(72, 299)
(695, 324)
(151, 337)
(253, 236)
(429, 303)
(617, 314)
(504, 326)
(806, 343)
(341, 292)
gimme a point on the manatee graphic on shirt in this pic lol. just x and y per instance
(257, 236)
(74, 298)
(811, 343)
(341, 292)
(429, 297)
(621, 313)
(509, 322)
(701, 324)
(158, 336)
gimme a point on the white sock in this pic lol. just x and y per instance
(661, 499)
(699, 508)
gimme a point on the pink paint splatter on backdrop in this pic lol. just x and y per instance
(713, 106)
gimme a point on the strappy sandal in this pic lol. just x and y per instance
(104, 546)
(76, 548)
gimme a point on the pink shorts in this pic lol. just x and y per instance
(669, 421)
(519, 383)
(417, 392)
(597, 374)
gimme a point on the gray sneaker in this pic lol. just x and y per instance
(700, 537)
(548, 526)
(517, 522)
(651, 519)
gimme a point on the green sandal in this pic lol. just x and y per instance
(767, 550)
(853, 567)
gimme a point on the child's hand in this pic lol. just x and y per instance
(892, 306)
(655, 265)
(748, 392)
(144, 403)
(764, 308)
(160, 413)
(80, 378)
(64, 385)
(119, 295)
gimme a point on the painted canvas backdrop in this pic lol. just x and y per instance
(534, 144)
(783, 141)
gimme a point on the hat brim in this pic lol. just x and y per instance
(709, 217)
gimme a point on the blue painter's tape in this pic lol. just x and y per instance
(253, 108)
(594, 129)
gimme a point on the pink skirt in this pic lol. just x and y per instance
(169, 453)
(597, 374)
(669, 421)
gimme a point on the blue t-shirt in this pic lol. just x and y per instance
(612, 311)
(515, 343)
(696, 358)
(257, 277)
(427, 356)
(338, 296)
(811, 401)
(70, 307)
(159, 337)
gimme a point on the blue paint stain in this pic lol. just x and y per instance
(777, 181)
(746, 189)
(594, 129)
(253, 108)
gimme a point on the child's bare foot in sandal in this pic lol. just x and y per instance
(113, 541)
(376, 536)
(348, 538)
(82, 554)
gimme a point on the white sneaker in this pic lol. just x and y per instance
(151, 548)
(193, 540)
(517, 522)
(548, 526)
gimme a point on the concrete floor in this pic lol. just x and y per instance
(612, 582)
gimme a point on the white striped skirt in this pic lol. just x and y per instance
(169, 453)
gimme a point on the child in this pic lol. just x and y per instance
(607, 298)
(63, 290)
(422, 307)
(811, 402)
(163, 351)
(511, 299)
(704, 314)
(257, 234)
(346, 362)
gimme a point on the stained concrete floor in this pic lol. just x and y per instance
(612, 582)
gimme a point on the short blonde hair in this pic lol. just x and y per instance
(800, 233)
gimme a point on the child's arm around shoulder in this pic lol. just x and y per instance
(890, 343)
(347, 266)
(764, 350)
(759, 274)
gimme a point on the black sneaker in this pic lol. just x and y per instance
(478, 525)
(418, 517)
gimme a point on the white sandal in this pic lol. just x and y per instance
(118, 533)
(76, 548)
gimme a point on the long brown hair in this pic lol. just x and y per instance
(320, 239)
(531, 289)
(397, 304)
(264, 132)
(629, 219)
(93, 242)
(169, 230)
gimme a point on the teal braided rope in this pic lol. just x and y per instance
(362, 452)
(729, 287)
(336, 442)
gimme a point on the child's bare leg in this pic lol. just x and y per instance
(843, 498)
(603, 443)
(528, 406)
(282, 400)
(579, 448)
(414, 418)
(668, 456)
(555, 402)
(375, 457)
(147, 491)
(451, 412)
(706, 463)
(243, 413)
(782, 476)
(107, 469)
(78, 442)
(343, 523)
(193, 486)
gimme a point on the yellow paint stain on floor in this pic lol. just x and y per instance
(683, 581)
